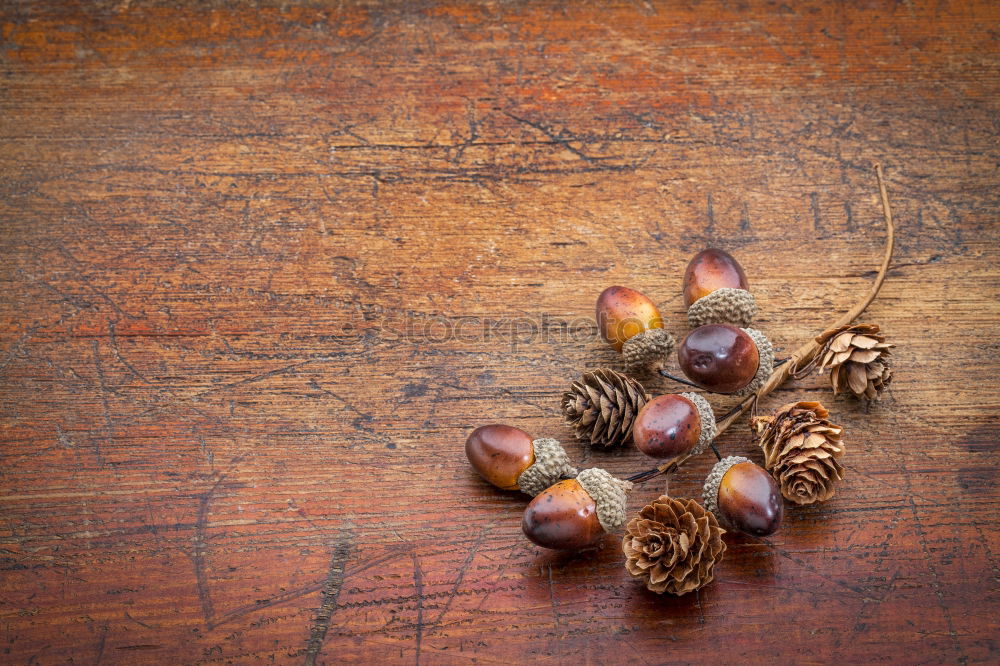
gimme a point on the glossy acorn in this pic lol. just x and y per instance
(744, 497)
(500, 453)
(508, 458)
(674, 424)
(632, 324)
(709, 271)
(623, 313)
(716, 290)
(576, 513)
(719, 357)
(562, 517)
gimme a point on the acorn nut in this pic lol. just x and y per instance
(674, 424)
(563, 517)
(725, 359)
(631, 324)
(576, 513)
(508, 458)
(743, 496)
(716, 290)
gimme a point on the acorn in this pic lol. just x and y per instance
(630, 323)
(508, 458)
(576, 513)
(743, 496)
(725, 359)
(716, 290)
(674, 424)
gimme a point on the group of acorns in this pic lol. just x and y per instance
(673, 544)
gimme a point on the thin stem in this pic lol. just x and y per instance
(678, 379)
(644, 476)
(804, 354)
(718, 456)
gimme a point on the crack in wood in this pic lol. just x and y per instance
(331, 590)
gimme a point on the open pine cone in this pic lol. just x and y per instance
(801, 448)
(601, 407)
(858, 359)
(673, 546)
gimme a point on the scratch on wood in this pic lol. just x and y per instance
(552, 598)
(418, 584)
(100, 645)
(200, 545)
(78, 270)
(118, 354)
(108, 426)
(285, 597)
(461, 573)
(936, 582)
(814, 207)
(331, 590)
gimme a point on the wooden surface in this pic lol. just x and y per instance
(264, 267)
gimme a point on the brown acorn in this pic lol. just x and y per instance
(500, 453)
(630, 323)
(562, 517)
(716, 290)
(743, 496)
(710, 270)
(508, 458)
(725, 359)
(623, 313)
(672, 425)
(575, 513)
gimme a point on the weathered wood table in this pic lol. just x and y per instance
(265, 267)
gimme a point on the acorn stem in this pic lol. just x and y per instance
(678, 379)
(718, 456)
(804, 354)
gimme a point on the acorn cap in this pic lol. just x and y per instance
(710, 491)
(609, 493)
(765, 365)
(707, 417)
(647, 351)
(551, 464)
(723, 306)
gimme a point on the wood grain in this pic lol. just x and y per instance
(264, 266)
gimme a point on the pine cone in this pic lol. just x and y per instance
(801, 448)
(601, 407)
(858, 358)
(673, 546)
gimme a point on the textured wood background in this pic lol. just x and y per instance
(265, 266)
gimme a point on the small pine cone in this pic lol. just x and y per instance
(858, 358)
(801, 451)
(601, 407)
(673, 545)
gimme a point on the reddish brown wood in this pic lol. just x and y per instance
(264, 268)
